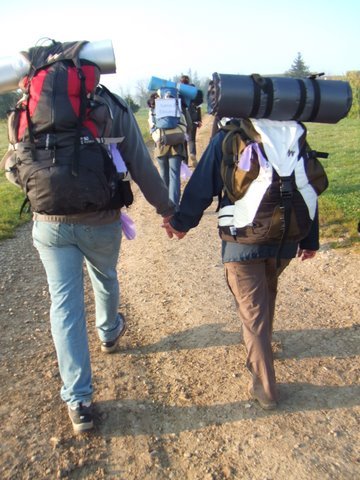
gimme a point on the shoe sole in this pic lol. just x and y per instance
(82, 427)
(264, 406)
(114, 347)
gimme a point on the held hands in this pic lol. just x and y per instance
(170, 230)
(305, 254)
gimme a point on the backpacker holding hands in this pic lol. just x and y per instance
(267, 179)
(71, 144)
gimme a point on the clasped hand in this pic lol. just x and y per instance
(305, 254)
(171, 230)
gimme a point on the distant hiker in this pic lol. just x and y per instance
(73, 140)
(168, 128)
(255, 249)
(209, 100)
(195, 122)
(151, 116)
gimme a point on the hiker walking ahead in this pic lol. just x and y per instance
(194, 120)
(251, 265)
(168, 134)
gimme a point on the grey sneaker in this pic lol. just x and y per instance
(110, 347)
(81, 417)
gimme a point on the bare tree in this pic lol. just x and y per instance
(142, 92)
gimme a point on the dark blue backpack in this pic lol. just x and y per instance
(167, 108)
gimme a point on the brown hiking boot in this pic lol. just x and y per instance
(265, 403)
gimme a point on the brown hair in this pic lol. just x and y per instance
(151, 100)
(185, 79)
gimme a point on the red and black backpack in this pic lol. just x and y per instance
(58, 131)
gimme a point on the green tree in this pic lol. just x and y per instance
(130, 101)
(7, 101)
(298, 68)
(353, 77)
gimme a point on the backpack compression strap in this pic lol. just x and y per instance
(82, 109)
(81, 118)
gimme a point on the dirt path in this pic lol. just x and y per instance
(172, 402)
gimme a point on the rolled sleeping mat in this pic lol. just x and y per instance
(279, 98)
(189, 92)
(13, 69)
(102, 54)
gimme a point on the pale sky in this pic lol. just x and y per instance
(166, 38)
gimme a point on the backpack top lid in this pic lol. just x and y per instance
(52, 51)
(47, 51)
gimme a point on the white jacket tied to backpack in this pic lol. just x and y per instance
(277, 175)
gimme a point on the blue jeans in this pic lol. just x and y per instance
(63, 248)
(170, 167)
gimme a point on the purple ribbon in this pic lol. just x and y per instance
(245, 159)
(128, 226)
(117, 158)
(185, 172)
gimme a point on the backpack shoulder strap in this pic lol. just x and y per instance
(110, 99)
(234, 141)
(249, 130)
(233, 144)
(101, 90)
